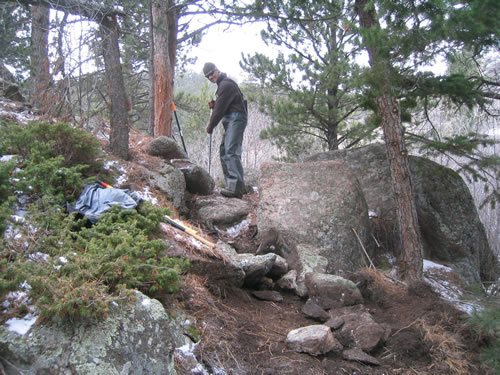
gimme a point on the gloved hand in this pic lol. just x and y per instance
(211, 104)
(209, 131)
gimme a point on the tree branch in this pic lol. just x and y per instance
(89, 9)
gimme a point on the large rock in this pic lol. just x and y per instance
(360, 330)
(317, 204)
(255, 267)
(219, 210)
(330, 291)
(171, 182)
(137, 339)
(165, 148)
(451, 229)
(307, 260)
(198, 181)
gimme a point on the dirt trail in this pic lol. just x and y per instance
(244, 335)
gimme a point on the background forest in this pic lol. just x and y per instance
(118, 66)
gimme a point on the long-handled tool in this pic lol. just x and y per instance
(103, 184)
(211, 105)
(181, 226)
(210, 154)
(179, 127)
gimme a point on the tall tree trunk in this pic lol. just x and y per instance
(64, 109)
(151, 127)
(397, 156)
(163, 69)
(42, 80)
(119, 135)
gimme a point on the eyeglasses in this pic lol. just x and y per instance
(209, 74)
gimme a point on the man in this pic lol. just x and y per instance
(229, 107)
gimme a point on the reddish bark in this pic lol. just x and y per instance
(164, 31)
(397, 156)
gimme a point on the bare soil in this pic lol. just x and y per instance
(240, 334)
(244, 335)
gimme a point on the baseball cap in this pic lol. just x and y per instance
(208, 69)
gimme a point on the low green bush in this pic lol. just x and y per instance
(85, 268)
(75, 269)
(47, 140)
(487, 324)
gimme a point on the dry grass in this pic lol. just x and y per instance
(217, 323)
(446, 347)
(387, 284)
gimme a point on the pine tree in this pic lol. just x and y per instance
(402, 37)
(311, 84)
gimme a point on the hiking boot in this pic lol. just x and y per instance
(231, 194)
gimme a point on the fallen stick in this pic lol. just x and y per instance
(371, 263)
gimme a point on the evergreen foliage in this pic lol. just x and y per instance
(407, 40)
(487, 324)
(54, 157)
(15, 37)
(310, 92)
(6, 200)
(74, 270)
(471, 163)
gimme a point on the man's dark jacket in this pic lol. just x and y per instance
(228, 99)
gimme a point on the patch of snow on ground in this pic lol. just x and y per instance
(146, 195)
(436, 276)
(21, 117)
(236, 230)
(121, 179)
(429, 265)
(13, 299)
(39, 257)
(5, 158)
(114, 164)
(189, 359)
(21, 326)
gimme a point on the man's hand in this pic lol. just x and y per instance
(209, 131)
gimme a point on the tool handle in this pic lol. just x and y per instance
(174, 223)
(102, 183)
(204, 241)
(189, 231)
(173, 106)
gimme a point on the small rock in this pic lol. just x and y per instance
(334, 323)
(314, 340)
(312, 310)
(267, 295)
(358, 355)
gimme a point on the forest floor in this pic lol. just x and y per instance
(244, 335)
(240, 334)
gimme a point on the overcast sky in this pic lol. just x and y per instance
(224, 48)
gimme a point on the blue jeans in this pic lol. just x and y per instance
(230, 151)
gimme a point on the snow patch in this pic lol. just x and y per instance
(237, 229)
(147, 196)
(7, 157)
(428, 265)
(21, 325)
